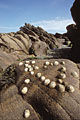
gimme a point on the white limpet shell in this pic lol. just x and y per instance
(21, 63)
(27, 81)
(63, 69)
(38, 75)
(26, 65)
(33, 62)
(70, 88)
(75, 74)
(47, 81)
(43, 78)
(36, 67)
(26, 69)
(61, 88)
(60, 81)
(45, 66)
(27, 62)
(56, 63)
(32, 72)
(27, 113)
(51, 64)
(52, 84)
(29, 66)
(62, 62)
(47, 63)
(30, 69)
(24, 90)
(62, 76)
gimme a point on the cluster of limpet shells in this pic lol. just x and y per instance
(59, 84)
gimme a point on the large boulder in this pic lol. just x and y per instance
(75, 11)
(47, 103)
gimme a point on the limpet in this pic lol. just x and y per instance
(24, 90)
(27, 62)
(21, 63)
(56, 63)
(47, 81)
(26, 69)
(51, 64)
(45, 66)
(30, 69)
(26, 65)
(61, 88)
(75, 74)
(27, 81)
(32, 72)
(70, 88)
(62, 76)
(43, 78)
(63, 69)
(29, 66)
(52, 84)
(33, 62)
(27, 113)
(47, 63)
(38, 75)
(62, 62)
(60, 81)
(36, 67)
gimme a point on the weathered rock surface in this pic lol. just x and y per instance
(47, 103)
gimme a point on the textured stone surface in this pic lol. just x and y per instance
(47, 103)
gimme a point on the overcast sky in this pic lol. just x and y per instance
(52, 15)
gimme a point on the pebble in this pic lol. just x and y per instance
(52, 84)
(43, 78)
(32, 72)
(21, 63)
(27, 113)
(47, 63)
(70, 88)
(62, 76)
(33, 62)
(27, 62)
(24, 90)
(26, 69)
(61, 88)
(38, 75)
(27, 81)
(75, 74)
(56, 63)
(47, 81)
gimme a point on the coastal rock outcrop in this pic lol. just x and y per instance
(44, 91)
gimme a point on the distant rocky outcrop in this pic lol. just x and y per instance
(29, 40)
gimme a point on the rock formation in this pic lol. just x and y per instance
(73, 31)
(43, 100)
(33, 84)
